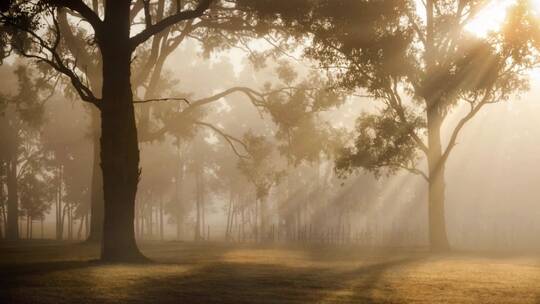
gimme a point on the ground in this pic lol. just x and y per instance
(53, 272)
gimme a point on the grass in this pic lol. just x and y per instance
(52, 272)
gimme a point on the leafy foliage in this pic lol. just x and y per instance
(259, 168)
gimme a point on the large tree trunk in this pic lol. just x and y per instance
(438, 240)
(119, 145)
(96, 195)
(12, 228)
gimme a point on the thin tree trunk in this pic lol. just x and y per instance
(28, 232)
(198, 205)
(70, 222)
(31, 228)
(81, 225)
(161, 218)
(229, 217)
(263, 219)
(59, 208)
(437, 224)
(256, 221)
(177, 190)
(12, 230)
(243, 225)
(150, 222)
(203, 208)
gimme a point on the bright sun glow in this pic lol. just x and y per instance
(490, 18)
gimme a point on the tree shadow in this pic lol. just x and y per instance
(202, 273)
(263, 283)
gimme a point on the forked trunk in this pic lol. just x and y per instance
(119, 145)
(438, 239)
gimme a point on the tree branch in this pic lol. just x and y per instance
(455, 134)
(397, 105)
(201, 102)
(229, 138)
(416, 172)
(56, 61)
(163, 99)
(80, 7)
(169, 21)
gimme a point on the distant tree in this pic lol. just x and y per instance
(64, 140)
(261, 170)
(36, 195)
(77, 187)
(20, 123)
(301, 135)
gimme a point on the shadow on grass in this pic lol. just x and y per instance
(263, 283)
(69, 282)
(196, 273)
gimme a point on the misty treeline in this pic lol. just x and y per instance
(251, 121)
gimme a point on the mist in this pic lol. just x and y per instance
(199, 149)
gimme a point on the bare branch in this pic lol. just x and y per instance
(80, 7)
(55, 61)
(252, 94)
(163, 99)
(229, 138)
(474, 109)
(169, 21)
(416, 172)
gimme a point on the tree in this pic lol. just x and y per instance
(260, 170)
(302, 137)
(36, 195)
(420, 64)
(227, 27)
(119, 144)
(20, 121)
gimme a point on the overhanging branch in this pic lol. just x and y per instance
(463, 121)
(163, 99)
(231, 140)
(169, 21)
(80, 7)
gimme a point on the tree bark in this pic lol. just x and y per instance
(438, 239)
(12, 228)
(119, 144)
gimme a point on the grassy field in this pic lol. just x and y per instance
(50, 272)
